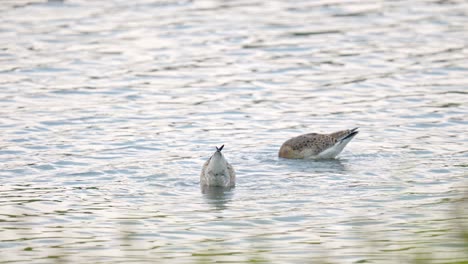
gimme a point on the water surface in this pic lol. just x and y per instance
(108, 109)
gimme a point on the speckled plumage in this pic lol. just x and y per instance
(316, 146)
(217, 171)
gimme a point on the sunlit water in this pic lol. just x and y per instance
(108, 110)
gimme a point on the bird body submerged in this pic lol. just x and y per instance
(217, 171)
(316, 146)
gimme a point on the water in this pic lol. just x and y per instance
(109, 109)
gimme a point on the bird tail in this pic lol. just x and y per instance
(353, 132)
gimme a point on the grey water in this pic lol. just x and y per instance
(108, 110)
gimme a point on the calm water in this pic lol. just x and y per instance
(108, 110)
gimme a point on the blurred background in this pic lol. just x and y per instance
(108, 109)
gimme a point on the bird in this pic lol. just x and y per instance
(217, 171)
(317, 146)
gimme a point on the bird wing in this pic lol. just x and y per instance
(203, 172)
(313, 143)
(232, 174)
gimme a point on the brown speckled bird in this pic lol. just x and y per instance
(316, 146)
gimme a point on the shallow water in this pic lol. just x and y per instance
(109, 109)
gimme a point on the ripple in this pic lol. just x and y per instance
(110, 109)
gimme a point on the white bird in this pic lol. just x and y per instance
(217, 171)
(316, 146)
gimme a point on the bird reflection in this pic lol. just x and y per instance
(332, 165)
(217, 196)
(335, 164)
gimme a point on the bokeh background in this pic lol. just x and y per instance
(108, 110)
